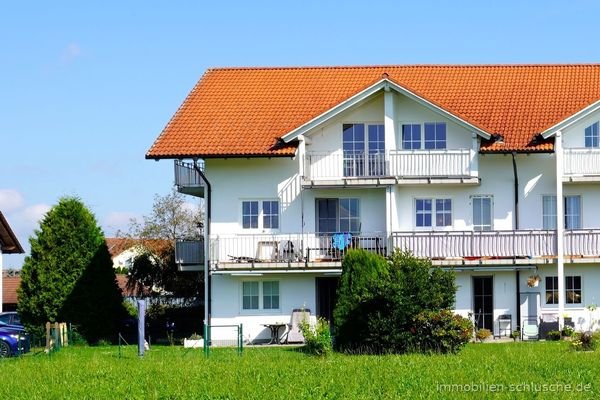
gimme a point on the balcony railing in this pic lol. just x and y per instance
(497, 244)
(582, 162)
(297, 249)
(455, 163)
(189, 254)
(187, 179)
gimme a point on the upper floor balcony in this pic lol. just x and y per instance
(187, 179)
(392, 166)
(189, 255)
(452, 248)
(492, 247)
(581, 164)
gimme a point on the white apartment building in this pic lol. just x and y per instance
(491, 170)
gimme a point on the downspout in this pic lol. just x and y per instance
(207, 283)
(516, 208)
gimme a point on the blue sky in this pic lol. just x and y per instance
(85, 89)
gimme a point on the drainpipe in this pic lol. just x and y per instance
(516, 208)
(560, 227)
(207, 283)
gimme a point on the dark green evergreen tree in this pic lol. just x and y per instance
(69, 276)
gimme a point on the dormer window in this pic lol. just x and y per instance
(591, 135)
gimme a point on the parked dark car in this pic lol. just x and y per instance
(13, 341)
(12, 319)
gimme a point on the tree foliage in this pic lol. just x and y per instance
(69, 275)
(379, 302)
(154, 271)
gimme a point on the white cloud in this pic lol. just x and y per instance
(117, 221)
(32, 215)
(10, 200)
(192, 207)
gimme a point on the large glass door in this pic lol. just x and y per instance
(483, 302)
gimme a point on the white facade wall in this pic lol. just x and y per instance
(296, 291)
(235, 180)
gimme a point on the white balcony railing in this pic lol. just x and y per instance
(581, 161)
(497, 244)
(290, 248)
(394, 163)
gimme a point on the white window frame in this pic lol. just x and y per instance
(554, 277)
(552, 215)
(479, 196)
(422, 139)
(261, 309)
(595, 126)
(366, 157)
(338, 212)
(261, 215)
(434, 212)
(580, 217)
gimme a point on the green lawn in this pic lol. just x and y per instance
(284, 373)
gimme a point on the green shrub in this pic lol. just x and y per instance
(441, 331)
(584, 341)
(483, 334)
(378, 300)
(553, 335)
(568, 331)
(317, 339)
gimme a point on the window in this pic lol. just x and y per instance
(551, 290)
(592, 135)
(271, 295)
(434, 138)
(435, 135)
(572, 290)
(250, 295)
(250, 214)
(260, 214)
(338, 215)
(549, 212)
(482, 213)
(411, 137)
(270, 214)
(254, 291)
(425, 209)
(572, 212)
(356, 148)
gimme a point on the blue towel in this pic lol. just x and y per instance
(340, 241)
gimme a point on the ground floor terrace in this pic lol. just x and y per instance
(498, 297)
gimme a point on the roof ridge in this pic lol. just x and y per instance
(435, 65)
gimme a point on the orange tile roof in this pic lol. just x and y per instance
(117, 246)
(245, 111)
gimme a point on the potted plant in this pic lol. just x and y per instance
(195, 341)
(516, 334)
(533, 280)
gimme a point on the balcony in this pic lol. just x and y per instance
(307, 250)
(518, 247)
(394, 166)
(581, 165)
(189, 255)
(188, 180)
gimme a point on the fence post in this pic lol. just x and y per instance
(48, 339)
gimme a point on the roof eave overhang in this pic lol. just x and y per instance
(9, 244)
(206, 156)
(383, 84)
(578, 116)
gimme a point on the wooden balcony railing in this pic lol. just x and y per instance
(453, 163)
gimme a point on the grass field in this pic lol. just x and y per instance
(285, 373)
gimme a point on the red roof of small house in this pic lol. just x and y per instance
(117, 246)
(244, 112)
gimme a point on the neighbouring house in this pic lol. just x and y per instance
(11, 280)
(491, 170)
(9, 244)
(123, 251)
